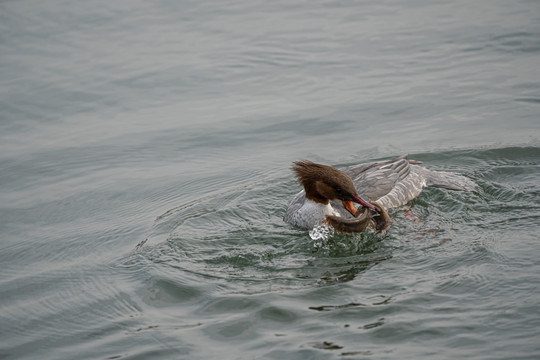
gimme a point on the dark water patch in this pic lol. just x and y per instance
(535, 101)
(373, 325)
(334, 307)
(518, 41)
(326, 345)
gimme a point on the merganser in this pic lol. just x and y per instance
(392, 183)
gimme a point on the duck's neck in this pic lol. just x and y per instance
(313, 194)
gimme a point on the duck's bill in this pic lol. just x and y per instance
(348, 205)
(362, 202)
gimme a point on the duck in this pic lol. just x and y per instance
(331, 193)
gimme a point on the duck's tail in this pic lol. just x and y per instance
(449, 180)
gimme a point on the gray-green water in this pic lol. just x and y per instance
(144, 154)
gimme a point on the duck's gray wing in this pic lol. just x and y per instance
(395, 182)
(376, 180)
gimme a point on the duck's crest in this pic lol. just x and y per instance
(307, 171)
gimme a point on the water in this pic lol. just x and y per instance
(144, 154)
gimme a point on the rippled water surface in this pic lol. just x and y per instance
(144, 154)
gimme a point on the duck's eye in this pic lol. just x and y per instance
(339, 191)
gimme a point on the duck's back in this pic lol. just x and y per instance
(394, 183)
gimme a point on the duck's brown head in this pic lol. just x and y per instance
(323, 183)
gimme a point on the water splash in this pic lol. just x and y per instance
(321, 233)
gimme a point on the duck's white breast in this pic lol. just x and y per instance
(310, 214)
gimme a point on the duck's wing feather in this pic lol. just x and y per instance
(377, 179)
